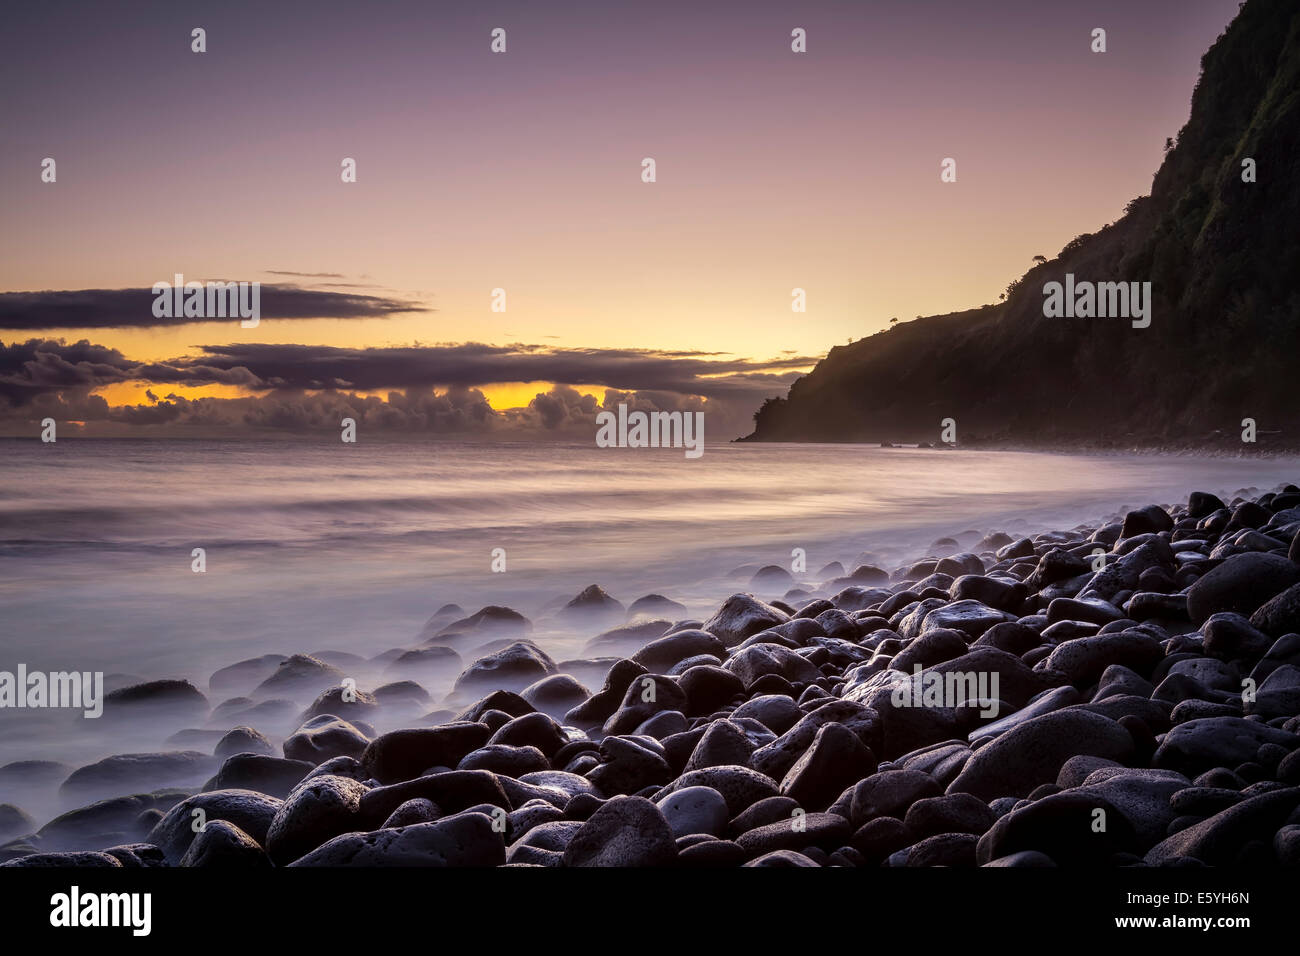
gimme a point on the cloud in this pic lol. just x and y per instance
(36, 367)
(559, 413)
(133, 308)
(428, 390)
(306, 275)
(40, 366)
(476, 365)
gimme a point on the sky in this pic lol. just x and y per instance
(522, 171)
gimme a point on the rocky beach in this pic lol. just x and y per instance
(1120, 694)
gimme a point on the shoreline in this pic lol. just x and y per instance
(1225, 449)
(771, 733)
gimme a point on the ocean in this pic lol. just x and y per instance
(351, 548)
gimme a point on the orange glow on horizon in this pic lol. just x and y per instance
(500, 397)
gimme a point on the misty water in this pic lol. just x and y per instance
(331, 547)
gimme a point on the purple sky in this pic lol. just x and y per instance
(522, 171)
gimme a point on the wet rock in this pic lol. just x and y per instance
(825, 830)
(272, 712)
(1281, 614)
(995, 592)
(505, 759)
(1241, 584)
(176, 700)
(555, 695)
(952, 813)
(1279, 694)
(274, 776)
(740, 786)
(1202, 503)
(625, 831)
(931, 648)
(1034, 752)
(660, 655)
(251, 812)
(245, 675)
(775, 711)
(503, 701)
(64, 860)
(1285, 650)
(491, 621)
(594, 602)
(626, 637)
(568, 785)
(707, 688)
(645, 696)
(776, 758)
(433, 663)
(944, 849)
(656, 605)
(417, 810)
(723, 743)
(782, 858)
(133, 773)
(1203, 802)
(1117, 679)
(760, 814)
(137, 855)
(242, 740)
(1010, 636)
(544, 844)
(34, 774)
(452, 791)
(758, 660)
(1077, 769)
(349, 703)
(223, 845)
(1146, 520)
(403, 695)
(1199, 745)
(741, 616)
(695, 810)
(323, 738)
(1124, 574)
(317, 810)
(531, 730)
(601, 705)
(106, 821)
(512, 668)
(890, 793)
(628, 766)
(836, 759)
(1142, 796)
(1218, 840)
(1063, 827)
(1084, 659)
(403, 754)
(300, 674)
(712, 854)
(15, 821)
(969, 617)
(1055, 565)
(664, 724)
(463, 840)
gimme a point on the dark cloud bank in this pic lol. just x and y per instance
(133, 308)
(429, 390)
